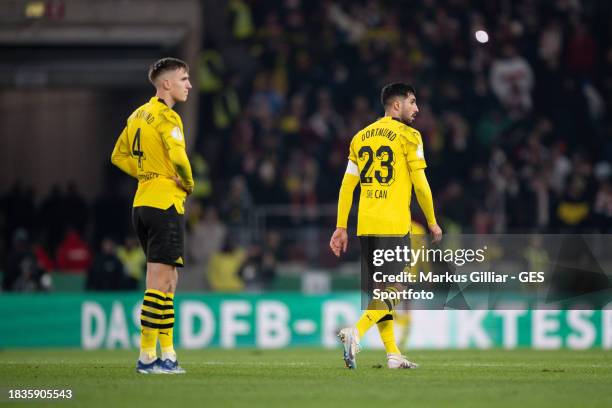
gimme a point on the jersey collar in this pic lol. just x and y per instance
(388, 118)
(158, 99)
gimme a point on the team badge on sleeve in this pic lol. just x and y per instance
(177, 134)
(420, 154)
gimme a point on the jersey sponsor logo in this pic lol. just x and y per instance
(147, 176)
(177, 134)
(420, 154)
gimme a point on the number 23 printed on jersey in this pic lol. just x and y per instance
(376, 165)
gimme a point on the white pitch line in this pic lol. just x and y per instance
(310, 364)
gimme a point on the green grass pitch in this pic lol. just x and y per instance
(316, 378)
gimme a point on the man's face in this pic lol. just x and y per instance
(408, 109)
(178, 84)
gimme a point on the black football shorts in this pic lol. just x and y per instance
(160, 233)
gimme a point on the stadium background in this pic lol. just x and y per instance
(516, 130)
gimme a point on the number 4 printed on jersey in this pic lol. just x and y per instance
(136, 149)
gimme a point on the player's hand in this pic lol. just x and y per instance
(436, 232)
(180, 185)
(339, 241)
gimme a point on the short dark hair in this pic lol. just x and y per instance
(165, 64)
(393, 90)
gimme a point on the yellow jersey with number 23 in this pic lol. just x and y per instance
(385, 153)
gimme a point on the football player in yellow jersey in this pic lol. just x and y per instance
(386, 158)
(151, 148)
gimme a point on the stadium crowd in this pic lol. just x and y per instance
(516, 129)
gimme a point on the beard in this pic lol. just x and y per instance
(407, 120)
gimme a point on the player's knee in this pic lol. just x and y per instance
(158, 284)
(161, 277)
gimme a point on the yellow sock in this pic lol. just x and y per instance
(151, 315)
(385, 328)
(376, 310)
(166, 328)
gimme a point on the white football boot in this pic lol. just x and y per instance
(399, 361)
(349, 337)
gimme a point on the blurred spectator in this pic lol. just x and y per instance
(267, 188)
(512, 81)
(201, 177)
(224, 268)
(267, 98)
(22, 272)
(561, 167)
(551, 42)
(107, 271)
(259, 269)
(237, 203)
(242, 20)
(294, 118)
(574, 208)
(206, 237)
(325, 121)
(73, 254)
(134, 262)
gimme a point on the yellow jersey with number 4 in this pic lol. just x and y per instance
(385, 153)
(152, 136)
